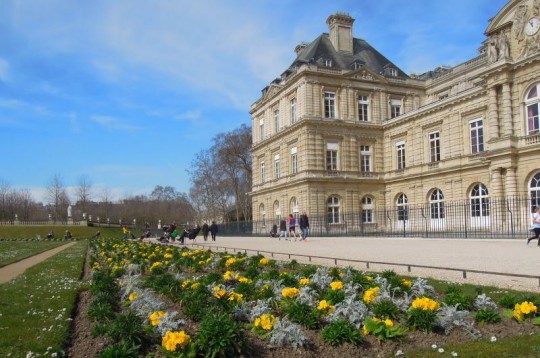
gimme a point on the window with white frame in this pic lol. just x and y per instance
(277, 212)
(365, 158)
(263, 172)
(400, 155)
(277, 170)
(329, 105)
(294, 160)
(261, 129)
(328, 62)
(333, 207)
(294, 208)
(395, 108)
(276, 120)
(363, 109)
(477, 135)
(332, 156)
(293, 111)
(479, 201)
(434, 147)
(532, 103)
(402, 204)
(534, 192)
(367, 210)
(436, 204)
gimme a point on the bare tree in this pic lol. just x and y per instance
(5, 188)
(57, 196)
(83, 192)
(105, 204)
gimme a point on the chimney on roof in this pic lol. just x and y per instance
(340, 25)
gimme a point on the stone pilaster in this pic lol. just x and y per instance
(493, 113)
(507, 129)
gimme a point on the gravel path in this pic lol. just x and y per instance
(9, 272)
(502, 256)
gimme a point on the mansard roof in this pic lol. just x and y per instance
(321, 49)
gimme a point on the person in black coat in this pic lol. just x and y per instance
(205, 230)
(304, 226)
(213, 230)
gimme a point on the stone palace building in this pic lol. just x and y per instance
(344, 131)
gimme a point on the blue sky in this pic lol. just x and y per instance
(126, 92)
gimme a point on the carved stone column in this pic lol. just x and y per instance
(511, 183)
(493, 114)
(507, 126)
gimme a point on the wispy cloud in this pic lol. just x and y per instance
(3, 70)
(113, 123)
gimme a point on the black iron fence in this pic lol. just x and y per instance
(478, 218)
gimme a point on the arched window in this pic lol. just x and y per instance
(534, 191)
(402, 204)
(333, 206)
(277, 212)
(479, 201)
(532, 103)
(294, 209)
(436, 204)
(367, 209)
(262, 214)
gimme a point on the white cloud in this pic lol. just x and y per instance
(3, 69)
(113, 123)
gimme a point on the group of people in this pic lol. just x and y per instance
(290, 223)
(170, 234)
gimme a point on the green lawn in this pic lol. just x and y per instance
(13, 251)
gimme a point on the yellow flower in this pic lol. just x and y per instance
(325, 306)
(186, 283)
(522, 309)
(370, 294)
(227, 275)
(219, 292)
(336, 285)
(388, 323)
(304, 281)
(406, 282)
(238, 297)
(133, 296)
(230, 262)
(426, 303)
(365, 330)
(290, 292)
(195, 285)
(244, 280)
(264, 261)
(155, 265)
(172, 340)
(168, 256)
(155, 318)
(369, 278)
(266, 321)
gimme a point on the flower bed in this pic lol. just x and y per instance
(176, 302)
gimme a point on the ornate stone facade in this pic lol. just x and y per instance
(344, 130)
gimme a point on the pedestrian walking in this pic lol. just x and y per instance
(535, 227)
(304, 226)
(292, 227)
(213, 230)
(282, 229)
(205, 230)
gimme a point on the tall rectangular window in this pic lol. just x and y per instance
(277, 171)
(365, 158)
(329, 105)
(294, 160)
(363, 107)
(332, 156)
(400, 148)
(434, 147)
(276, 120)
(263, 172)
(477, 136)
(395, 108)
(293, 111)
(261, 129)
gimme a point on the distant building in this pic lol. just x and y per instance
(344, 130)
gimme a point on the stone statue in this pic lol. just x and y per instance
(69, 211)
(519, 21)
(502, 44)
(492, 49)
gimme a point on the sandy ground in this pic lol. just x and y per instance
(494, 255)
(9, 272)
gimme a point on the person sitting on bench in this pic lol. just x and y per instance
(191, 234)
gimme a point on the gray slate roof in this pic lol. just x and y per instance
(363, 53)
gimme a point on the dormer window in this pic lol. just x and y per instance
(327, 62)
(356, 66)
(390, 71)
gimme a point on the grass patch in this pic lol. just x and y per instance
(517, 346)
(21, 231)
(13, 251)
(36, 307)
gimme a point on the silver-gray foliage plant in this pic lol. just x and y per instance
(483, 301)
(350, 309)
(449, 317)
(420, 287)
(287, 333)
